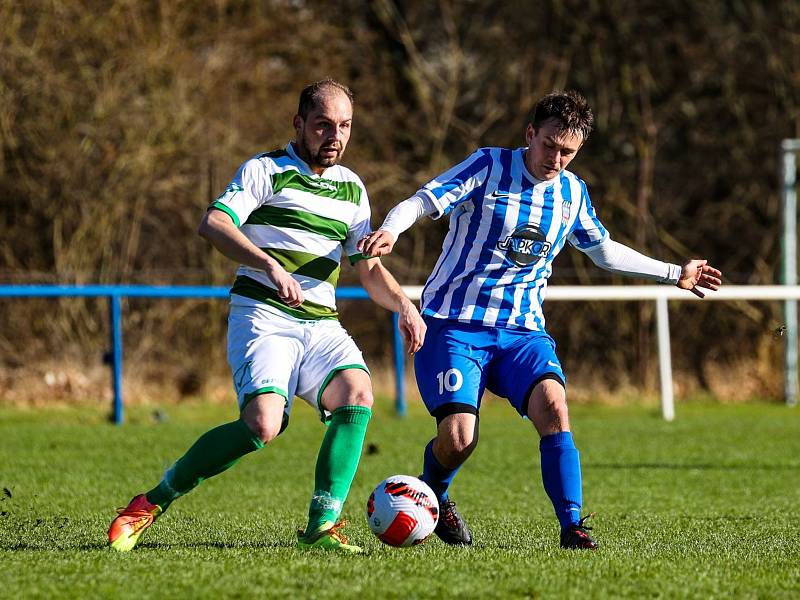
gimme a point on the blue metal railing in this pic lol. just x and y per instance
(115, 293)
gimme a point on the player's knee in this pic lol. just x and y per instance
(456, 439)
(358, 397)
(554, 405)
(548, 411)
(548, 399)
(263, 428)
(264, 415)
(459, 444)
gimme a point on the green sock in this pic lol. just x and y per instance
(215, 451)
(337, 463)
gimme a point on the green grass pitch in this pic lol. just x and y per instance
(701, 507)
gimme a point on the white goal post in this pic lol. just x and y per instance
(789, 150)
(661, 295)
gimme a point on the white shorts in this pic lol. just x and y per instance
(270, 352)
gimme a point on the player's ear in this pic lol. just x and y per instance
(297, 123)
(530, 132)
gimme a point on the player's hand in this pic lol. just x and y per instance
(699, 274)
(377, 243)
(289, 291)
(412, 327)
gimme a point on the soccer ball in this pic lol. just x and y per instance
(402, 511)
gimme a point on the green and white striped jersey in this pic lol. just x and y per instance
(302, 220)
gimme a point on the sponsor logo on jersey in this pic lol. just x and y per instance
(525, 246)
(322, 184)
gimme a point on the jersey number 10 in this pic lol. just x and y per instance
(450, 380)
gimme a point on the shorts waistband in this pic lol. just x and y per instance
(268, 312)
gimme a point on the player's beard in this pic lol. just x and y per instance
(316, 159)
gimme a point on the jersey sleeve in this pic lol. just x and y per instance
(451, 188)
(251, 187)
(618, 258)
(359, 227)
(587, 230)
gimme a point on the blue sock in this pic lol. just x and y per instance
(561, 475)
(435, 474)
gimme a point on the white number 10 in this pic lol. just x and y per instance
(450, 380)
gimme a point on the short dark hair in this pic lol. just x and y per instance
(569, 108)
(313, 93)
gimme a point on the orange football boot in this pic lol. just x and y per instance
(124, 531)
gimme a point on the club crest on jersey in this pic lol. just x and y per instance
(566, 208)
(525, 246)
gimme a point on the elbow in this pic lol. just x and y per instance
(213, 224)
(204, 229)
(603, 264)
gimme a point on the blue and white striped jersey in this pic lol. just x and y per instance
(506, 227)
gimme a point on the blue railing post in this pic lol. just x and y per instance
(399, 368)
(116, 355)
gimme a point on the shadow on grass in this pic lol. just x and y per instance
(94, 546)
(40, 547)
(261, 545)
(691, 467)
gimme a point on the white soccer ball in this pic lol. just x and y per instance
(402, 511)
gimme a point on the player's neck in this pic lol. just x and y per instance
(302, 154)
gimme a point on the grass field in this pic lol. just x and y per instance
(702, 507)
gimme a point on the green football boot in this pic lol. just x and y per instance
(327, 537)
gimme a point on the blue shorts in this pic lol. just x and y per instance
(459, 360)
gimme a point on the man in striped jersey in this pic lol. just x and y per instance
(286, 218)
(511, 212)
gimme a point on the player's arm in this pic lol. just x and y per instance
(618, 258)
(384, 290)
(399, 219)
(218, 228)
(435, 199)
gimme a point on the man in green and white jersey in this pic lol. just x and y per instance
(286, 218)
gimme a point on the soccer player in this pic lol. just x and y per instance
(511, 212)
(286, 217)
